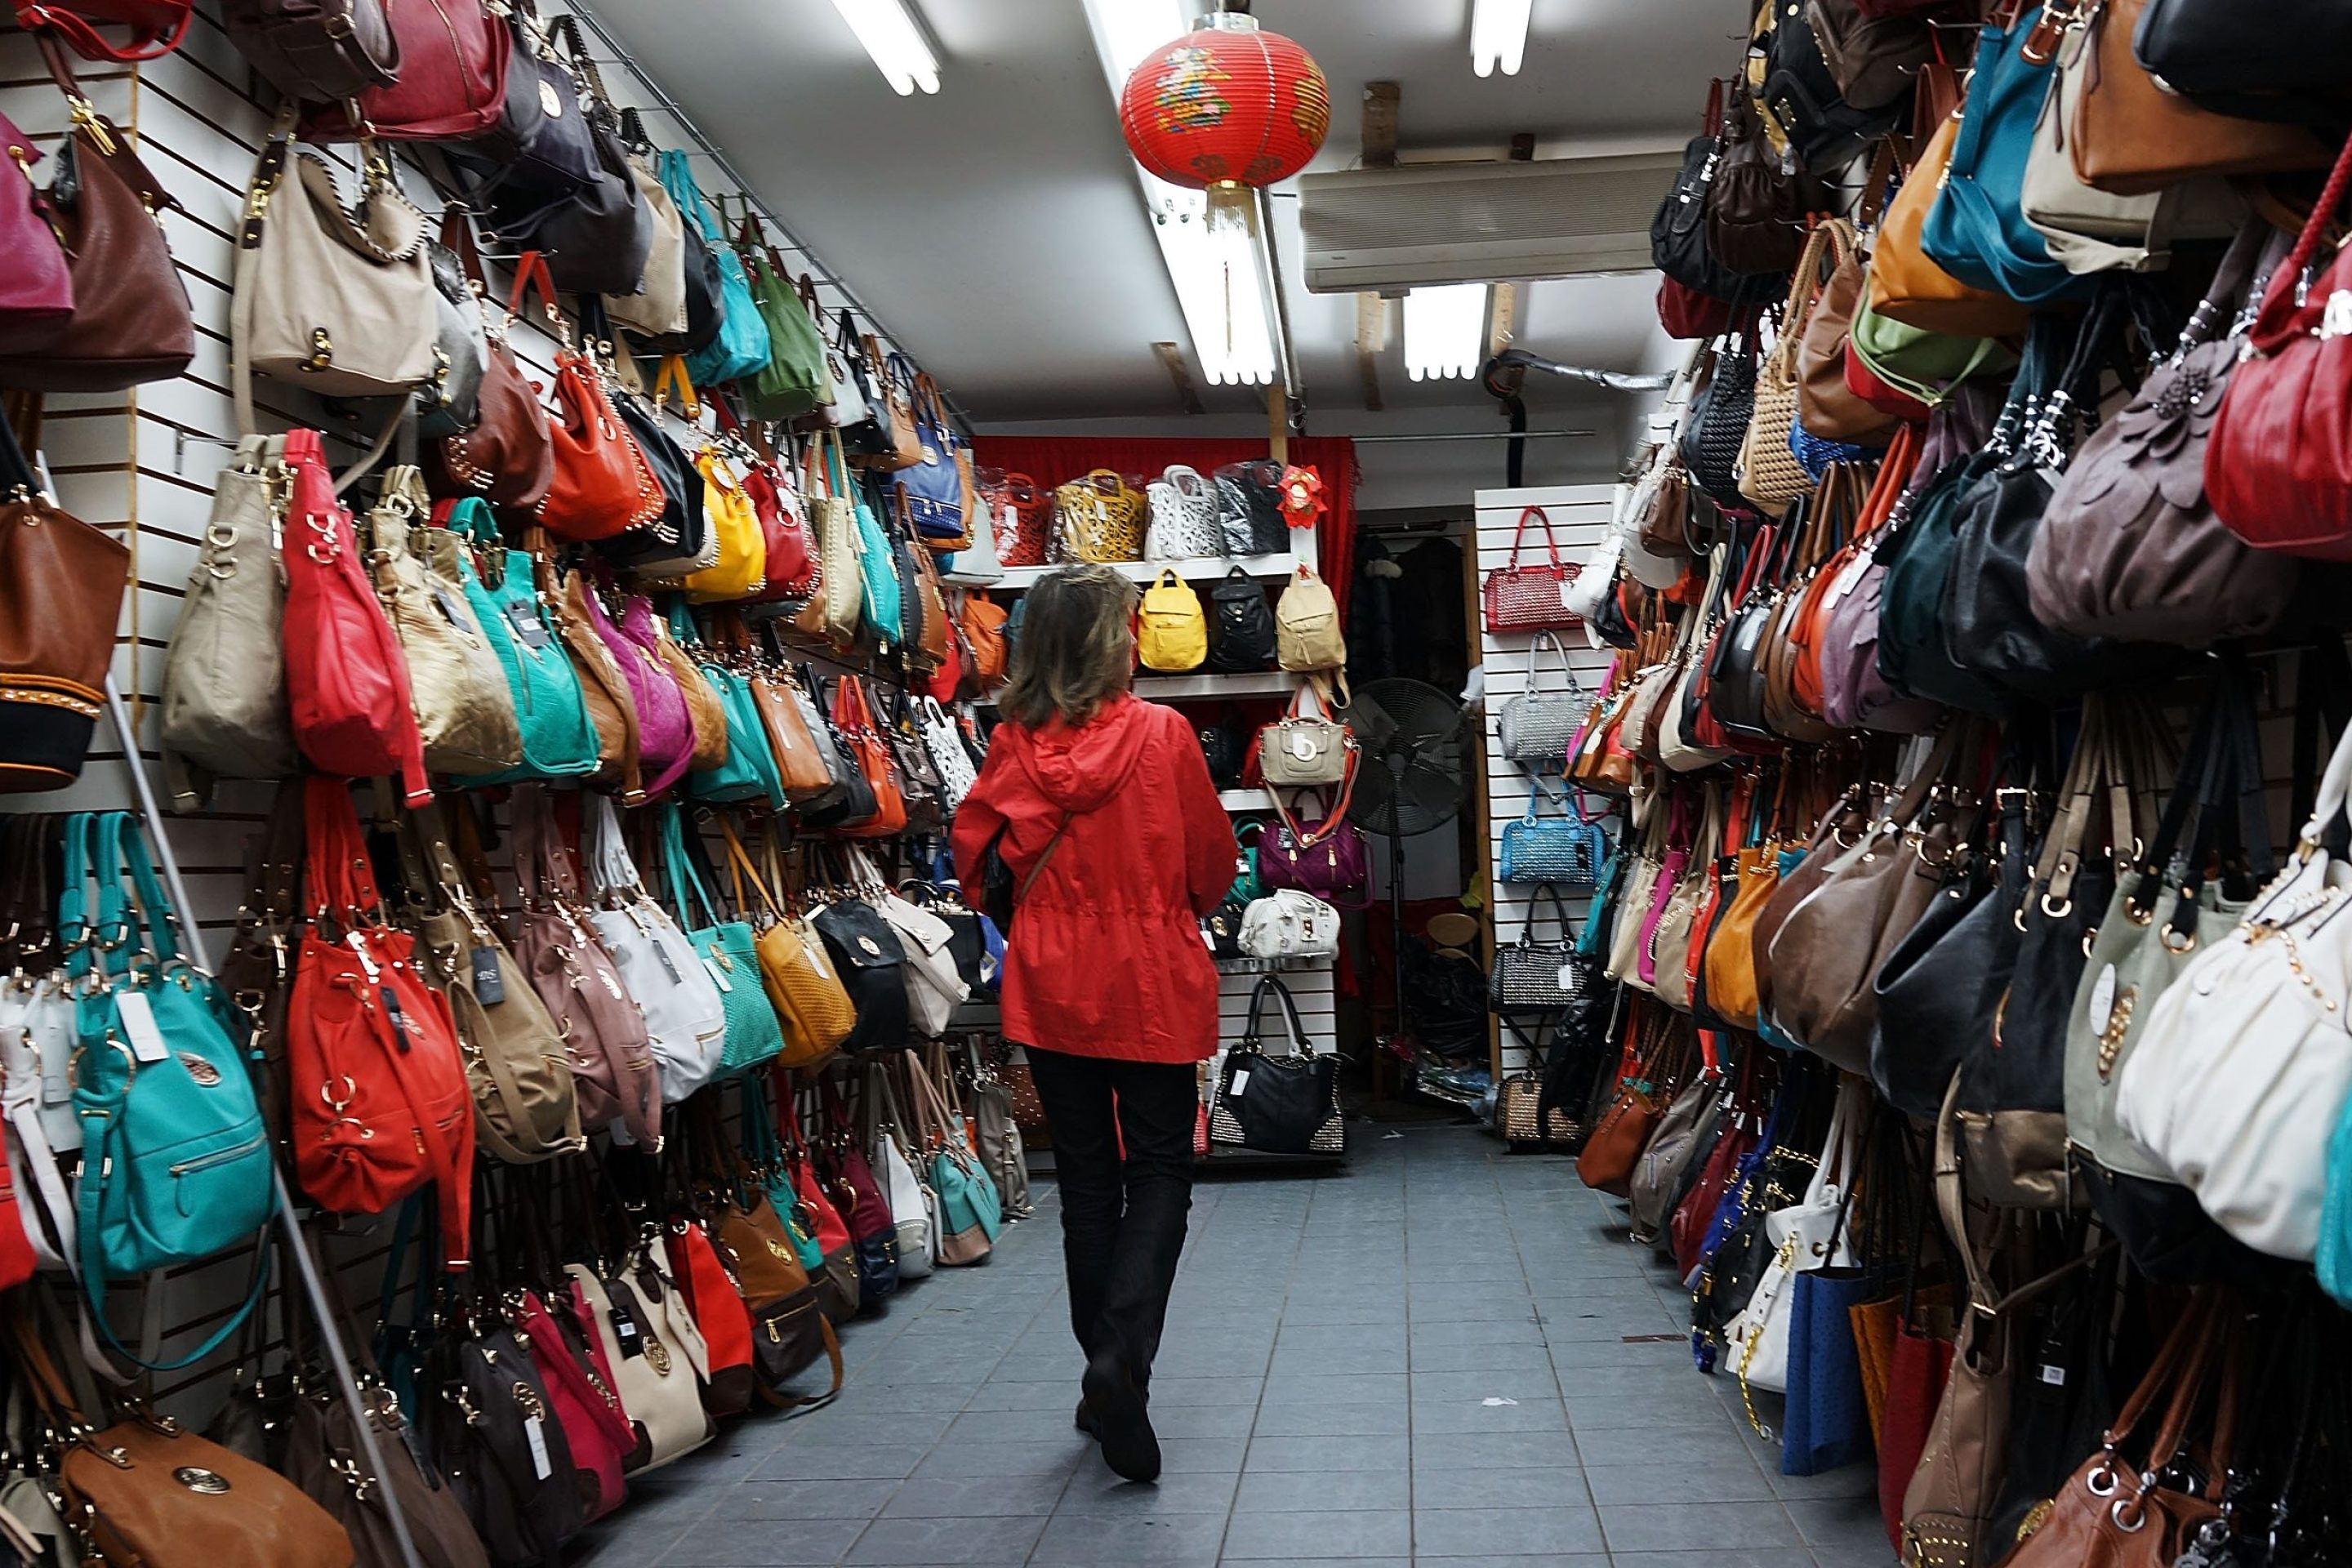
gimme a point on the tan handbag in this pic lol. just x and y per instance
(224, 708)
(337, 301)
(1307, 624)
(1769, 472)
(2133, 135)
(658, 309)
(604, 689)
(465, 708)
(1099, 518)
(1825, 406)
(659, 1378)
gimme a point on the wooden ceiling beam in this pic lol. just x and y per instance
(1171, 357)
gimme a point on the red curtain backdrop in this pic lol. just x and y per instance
(1057, 459)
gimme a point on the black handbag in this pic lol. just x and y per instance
(1938, 989)
(1278, 1105)
(2260, 60)
(1241, 625)
(1678, 246)
(486, 1401)
(1224, 926)
(1736, 677)
(682, 529)
(1825, 129)
(850, 802)
(542, 150)
(1249, 508)
(1716, 427)
(1226, 746)
(1531, 976)
(866, 955)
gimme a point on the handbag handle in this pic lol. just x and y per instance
(2275, 326)
(531, 272)
(1253, 1040)
(1520, 534)
(1535, 646)
(1558, 910)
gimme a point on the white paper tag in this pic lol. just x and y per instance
(716, 974)
(534, 1429)
(139, 1023)
(2103, 1000)
(2054, 1376)
(1568, 977)
(1241, 1081)
(1567, 587)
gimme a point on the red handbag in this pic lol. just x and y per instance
(156, 26)
(452, 77)
(381, 1107)
(1025, 520)
(595, 1429)
(1529, 598)
(2278, 467)
(854, 716)
(603, 484)
(346, 677)
(946, 682)
(16, 1261)
(716, 1304)
(792, 558)
(1685, 313)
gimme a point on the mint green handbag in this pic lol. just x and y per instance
(754, 1035)
(750, 772)
(1925, 367)
(176, 1157)
(558, 740)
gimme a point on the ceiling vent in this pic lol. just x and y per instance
(1390, 230)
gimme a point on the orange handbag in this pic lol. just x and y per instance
(854, 716)
(1906, 287)
(603, 484)
(982, 620)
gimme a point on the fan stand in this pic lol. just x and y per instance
(1399, 1042)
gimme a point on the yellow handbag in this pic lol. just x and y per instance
(741, 568)
(1175, 638)
(1099, 518)
(813, 1006)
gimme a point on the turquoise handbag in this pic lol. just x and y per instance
(740, 348)
(1248, 886)
(877, 572)
(1766, 1030)
(558, 740)
(750, 772)
(175, 1158)
(1592, 941)
(967, 1197)
(1976, 229)
(765, 1152)
(754, 1035)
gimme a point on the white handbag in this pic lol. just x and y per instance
(685, 1017)
(1185, 524)
(934, 988)
(1808, 1235)
(914, 1207)
(659, 1381)
(1287, 923)
(2244, 1064)
(945, 748)
(37, 1048)
(977, 563)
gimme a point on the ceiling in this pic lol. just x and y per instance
(997, 228)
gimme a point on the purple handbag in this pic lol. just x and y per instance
(36, 299)
(665, 730)
(1323, 856)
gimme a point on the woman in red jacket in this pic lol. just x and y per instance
(1117, 844)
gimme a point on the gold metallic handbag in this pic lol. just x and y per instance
(1099, 518)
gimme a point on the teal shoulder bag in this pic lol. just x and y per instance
(740, 348)
(765, 1153)
(750, 772)
(559, 741)
(176, 1157)
(877, 571)
(754, 1035)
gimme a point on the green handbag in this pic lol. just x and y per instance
(1248, 886)
(750, 772)
(176, 1157)
(754, 1035)
(766, 1154)
(1922, 364)
(558, 740)
(794, 380)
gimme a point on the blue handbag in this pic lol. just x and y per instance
(1816, 453)
(754, 1035)
(740, 348)
(932, 489)
(877, 572)
(750, 772)
(559, 738)
(1976, 230)
(1564, 850)
(1826, 1425)
(1592, 941)
(176, 1157)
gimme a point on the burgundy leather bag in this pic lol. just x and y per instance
(1324, 856)
(508, 457)
(37, 298)
(452, 77)
(156, 26)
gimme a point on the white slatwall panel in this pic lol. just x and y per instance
(1579, 519)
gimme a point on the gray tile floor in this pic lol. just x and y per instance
(1442, 1355)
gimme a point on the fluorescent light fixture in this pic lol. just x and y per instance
(1498, 35)
(1444, 332)
(1126, 31)
(890, 36)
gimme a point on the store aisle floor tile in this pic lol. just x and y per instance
(1440, 1356)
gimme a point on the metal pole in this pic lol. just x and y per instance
(1474, 436)
(329, 1331)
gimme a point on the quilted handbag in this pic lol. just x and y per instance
(1285, 1104)
(1525, 598)
(1714, 431)
(1566, 850)
(1531, 976)
(1537, 727)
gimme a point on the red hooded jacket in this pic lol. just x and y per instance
(1105, 957)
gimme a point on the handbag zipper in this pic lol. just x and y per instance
(219, 1156)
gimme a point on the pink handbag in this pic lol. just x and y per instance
(1670, 872)
(594, 1427)
(665, 730)
(37, 298)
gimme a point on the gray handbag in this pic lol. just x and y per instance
(225, 713)
(1538, 726)
(1001, 1152)
(1685, 1134)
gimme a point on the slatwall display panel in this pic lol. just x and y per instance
(1579, 516)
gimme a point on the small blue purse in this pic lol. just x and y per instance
(1565, 851)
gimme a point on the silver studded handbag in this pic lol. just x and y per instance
(1538, 725)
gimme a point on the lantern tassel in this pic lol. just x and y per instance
(1232, 208)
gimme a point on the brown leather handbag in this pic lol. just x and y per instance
(507, 459)
(1828, 523)
(1825, 406)
(130, 320)
(612, 709)
(146, 1491)
(789, 1331)
(1840, 829)
(61, 585)
(1614, 1152)
(2132, 136)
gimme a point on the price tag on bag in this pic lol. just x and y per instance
(627, 1332)
(1240, 1083)
(139, 1023)
(1568, 977)
(534, 1429)
(490, 983)
(524, 617)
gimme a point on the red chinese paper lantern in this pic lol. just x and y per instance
(1228, 106)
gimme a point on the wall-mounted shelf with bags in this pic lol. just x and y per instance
(1201, 569)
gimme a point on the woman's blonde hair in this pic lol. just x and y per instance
(1077, 647)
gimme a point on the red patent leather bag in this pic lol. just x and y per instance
(452, 77)
(156, 26)
(2278, 467)
(346, 677)
(380, 1104)
(601, 484)
(1528, 598)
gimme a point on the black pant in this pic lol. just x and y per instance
(1122, 1219)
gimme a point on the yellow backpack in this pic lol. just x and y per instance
(1175, 633)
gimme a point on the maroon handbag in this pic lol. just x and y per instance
(1529, 598)
(506, 457)
(156, 26)
(37, 297)
(1323, 856)
(452, 77)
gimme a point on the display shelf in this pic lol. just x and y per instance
(1269, 965)
(1245, 799)
(1202, 569)
(1208, 683)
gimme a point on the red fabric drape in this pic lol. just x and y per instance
(1057, 459)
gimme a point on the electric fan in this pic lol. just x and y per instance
(1411, 777)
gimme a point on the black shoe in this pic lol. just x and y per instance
(1121, 1422)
